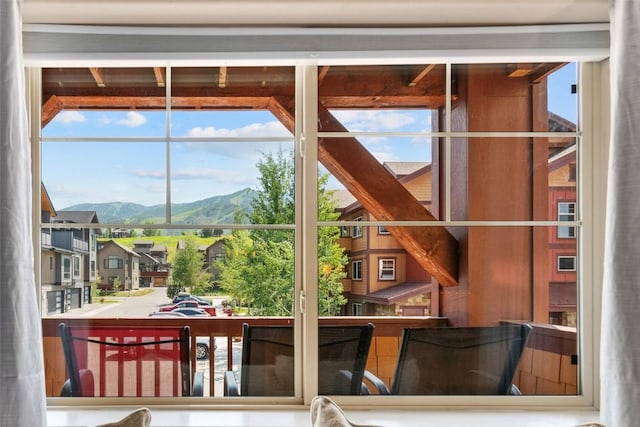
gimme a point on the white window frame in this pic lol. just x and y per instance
(356, 230)
(564, 231)
(77, 268)
(356, 309)
(354, 269)
(566, 257)
(384, 269)
(537, 44)
(383, 230)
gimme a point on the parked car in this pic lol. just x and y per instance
(185, 296)
(202, 347)
(189, 304)
(192, 311)
(167, 314)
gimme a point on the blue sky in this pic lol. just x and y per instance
(96, 172)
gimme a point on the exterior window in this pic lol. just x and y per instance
(356, 270)
(357, 229)
(50, 263)
(383, 230)
(76, 267)
(566, 263)
(344, 231)
(356, 309)
(66, 269)
(566, 212)
(387, 269)
(113, 262)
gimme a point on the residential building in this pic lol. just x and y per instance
(154, 267)
(214, 252)
(118, 265)
(68, 259)
(382, 276)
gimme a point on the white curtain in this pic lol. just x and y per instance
(22, 391)
(620, 344)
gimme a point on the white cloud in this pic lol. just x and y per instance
(133, 119)
(254, 130)
(373, 120)
(68, 117)
(225, 176)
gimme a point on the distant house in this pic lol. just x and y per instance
(118, 261)
(382, 277)
(154, 268)
(214, 252)
(68, 257)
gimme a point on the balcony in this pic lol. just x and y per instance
(547, 366)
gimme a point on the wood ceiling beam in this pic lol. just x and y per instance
(51, 107)
(98, 76)
(158, 72)
(322, 74)
(421, 75)
(222, 77)
(544, 70)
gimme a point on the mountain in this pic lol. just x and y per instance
(216, 209)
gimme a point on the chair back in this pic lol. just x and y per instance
(267, 367)
(459, 361)
(343, 353)
(116, 361)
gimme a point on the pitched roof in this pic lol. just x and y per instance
(396, 293)
(80, 217)
(400, 169)
(124, 248)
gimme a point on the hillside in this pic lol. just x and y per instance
(217, 209)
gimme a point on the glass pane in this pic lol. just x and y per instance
(128, 176)
(512, 97)
(507, 275)
(513, 179)
(99, 102)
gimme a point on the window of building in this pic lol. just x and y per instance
(113, 262)
(66, 269)
(189, 150)
(566, 212)
(357, 229)
(356, 309)
(356, 270)
(383, 230)
(387, 269)
(76, 267)
(566, 263)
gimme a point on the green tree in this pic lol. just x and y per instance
(116, 284)
(187, 268)
(148, 232)
(258, 268)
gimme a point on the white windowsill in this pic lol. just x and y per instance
(71, 417)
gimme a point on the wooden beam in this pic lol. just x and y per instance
(543, 71)
(50, 109)
(379, 191)
(98, 76)
(222, 77)
(519, 70)
(421, 75)
(322, 74)
(159, 74)
(158, 102)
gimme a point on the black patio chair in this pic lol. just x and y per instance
(112, 361)
(267, 366)
(457, 361)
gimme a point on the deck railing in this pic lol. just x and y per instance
(548, 365)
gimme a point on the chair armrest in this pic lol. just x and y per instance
(66, 389)
(198, 384)
(514, 390)
(348, 375)
(377, 382)
(230, 384)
